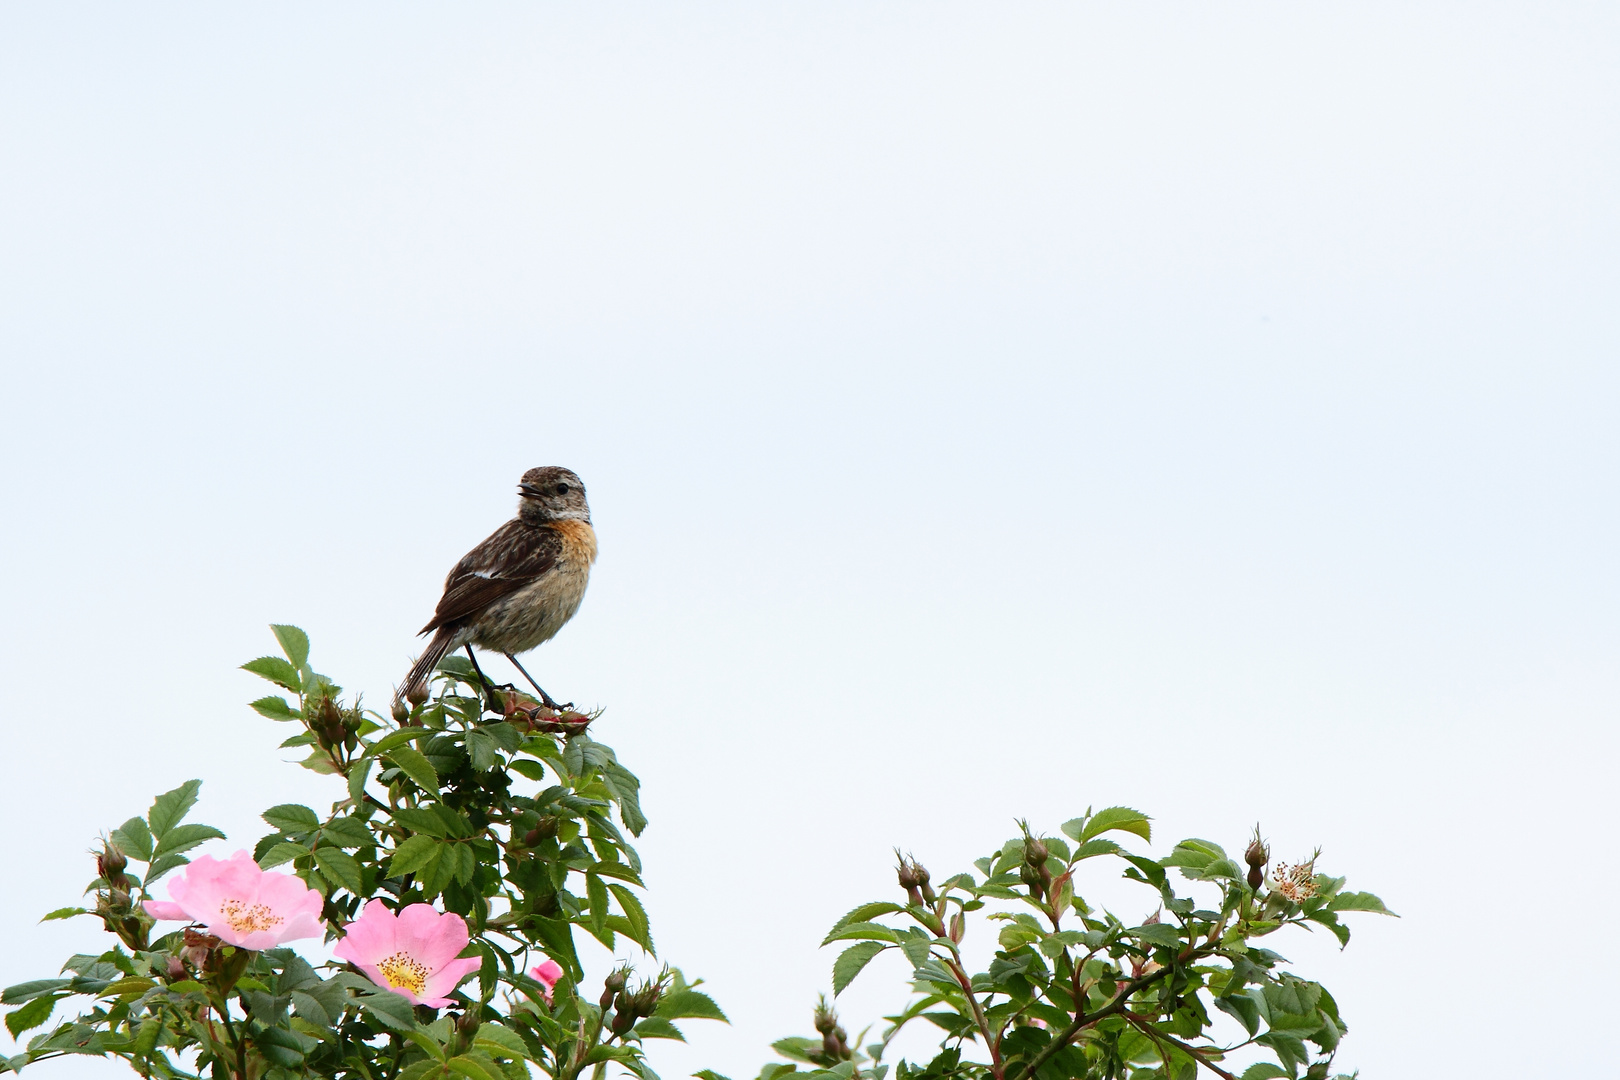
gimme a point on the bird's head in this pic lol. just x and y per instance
(552, 493)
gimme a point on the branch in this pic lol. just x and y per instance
(1194, 1052)
(1082, 1021)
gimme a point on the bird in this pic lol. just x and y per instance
(521, 585)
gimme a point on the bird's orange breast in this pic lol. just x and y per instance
(578, 543)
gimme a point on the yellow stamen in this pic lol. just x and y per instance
(404, 973)
(246, 920)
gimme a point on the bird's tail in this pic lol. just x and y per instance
(426, 662)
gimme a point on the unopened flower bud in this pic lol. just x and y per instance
(1257, 856)
(1035, 852)
(400, 711)
(417, 694)
(913, 876)
(118, 899)
(111, 863)
(957, 927)
(545, 827)
(623, 1021)
(467, 1023)
(177, 969)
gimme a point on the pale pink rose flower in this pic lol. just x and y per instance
(547, 975)
(412, 953)
(241, 904)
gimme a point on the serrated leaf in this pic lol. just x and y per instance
(169, 808)
(31, 1015)
(1117, 818)
(359, 773)
(1263, 1070)
(341, 867)
(294, 642)
(420, 821)
(275, 708)
(411, 856)
(390, 1009)
(635, 915)
(184, 838)
(64, 913)
(423, 1070)
(862, 931)
(1358, 901)
(867, 912)
(282, 852)
(682, 1004)
(162, 864)
(470, 1067)
(851, 961)
(276, 670)
(501, 1040)
(27, 991)
(134, 839)
(291, 818)
(414, 764)
(348, 832)
(656, 1027)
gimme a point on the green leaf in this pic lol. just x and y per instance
(348, 832)
(636, 915)
(21, 992)
(866, 912)
(291, 818)
(390, 1009)
(184, 838)
(275, 708)
(1116, 818)
(862, 931)
(294, 642)
(656, 1027)
(679, 1004)
(381, 747)
(359, 773)
(851, 961)
(1156, 934)
(597, 895)
(341, 867)
(423, 1070)
(282, 853)
(31, 1015)
(1358, 901)
(170, 807)
(412, 855)
(64, 913)
(709, 1074)
(134, 839)
(414, 764)
(276, 670)
(420, 821)
(162, 864)
(1263, 1070)
(472, 1069)
(500, 1040)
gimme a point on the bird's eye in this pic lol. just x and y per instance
(562, 489)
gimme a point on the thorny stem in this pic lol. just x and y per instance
(1194, 1052)
(1082, 1021)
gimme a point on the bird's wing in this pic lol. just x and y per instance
(514, 555)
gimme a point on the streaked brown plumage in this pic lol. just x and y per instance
(517, 588)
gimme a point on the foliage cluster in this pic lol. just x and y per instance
(481, 802)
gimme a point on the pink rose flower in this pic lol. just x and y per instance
(241, 904)
(547, 975)
(412, 953)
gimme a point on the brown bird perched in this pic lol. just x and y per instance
(517, 588)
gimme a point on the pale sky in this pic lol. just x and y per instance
(986, 412)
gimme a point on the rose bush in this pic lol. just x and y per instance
(474, 836)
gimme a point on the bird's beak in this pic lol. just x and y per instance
(530, 491)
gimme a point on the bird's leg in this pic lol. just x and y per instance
(544, 697)
(489, 687)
